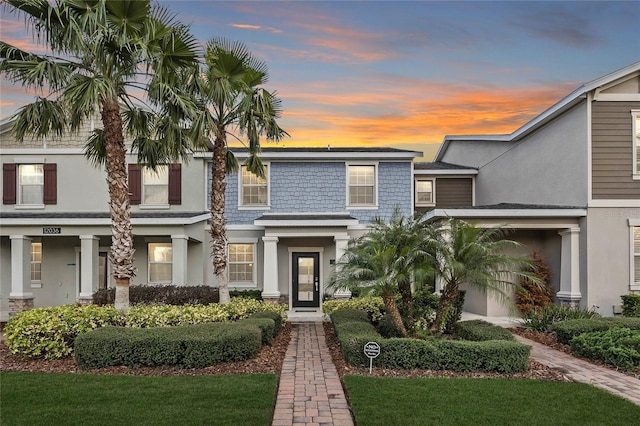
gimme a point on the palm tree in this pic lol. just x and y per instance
(386, 261)
(467, 254)
(232, 97)
(101, 53)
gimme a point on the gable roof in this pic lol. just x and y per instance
(549, 114)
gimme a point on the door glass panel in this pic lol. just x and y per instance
(305, 279)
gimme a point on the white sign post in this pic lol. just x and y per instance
(371, 350)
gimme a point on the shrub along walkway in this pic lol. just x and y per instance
(310, 391)
(585, 372)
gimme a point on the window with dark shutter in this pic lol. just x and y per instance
(135, 184)
(175, 184)
(9, 180)
(50, 183)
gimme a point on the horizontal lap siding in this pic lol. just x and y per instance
(612, 150)
(454, 192)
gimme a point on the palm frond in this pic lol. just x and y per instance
(39, 119)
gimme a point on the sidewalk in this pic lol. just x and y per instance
(310, 392)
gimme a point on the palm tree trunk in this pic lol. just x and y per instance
(218, 222)
(407, 300)
(392, 309)
(447, 299)
(121, 254)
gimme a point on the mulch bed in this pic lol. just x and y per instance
(269, 360)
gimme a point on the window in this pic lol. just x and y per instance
(636, 255)
(36, 262)
(155, 185)
(241, 262)
(361, 183)
(424, 193)
(160, 262)
(635, 115)
(30, 184)
(254, 189)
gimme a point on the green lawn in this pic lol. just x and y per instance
(90, 399)
(442, 401)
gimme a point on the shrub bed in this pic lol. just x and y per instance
(171, 295)
(618, 347)
(373, 306)
(50, 332)
(567, 330)
(631, 305)
(480, 330)
(353, 331)
(543, 319)
(190, 346)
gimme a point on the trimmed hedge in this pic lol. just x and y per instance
(567, 330)
(191, 346)
(354, 331)
(276, 317)
(619, 347)
(50, 332)
(374, 306)
(480, 330)
(631, 305)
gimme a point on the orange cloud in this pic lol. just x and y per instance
(256, 27)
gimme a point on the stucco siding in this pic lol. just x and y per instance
(608, 257)
(547, 167)
(612, 148)
(454, 192)
(474, 153)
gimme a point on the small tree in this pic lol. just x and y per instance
(468, 254)
(531, 296)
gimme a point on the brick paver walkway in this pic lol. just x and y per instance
(585, 372)
(310, 392)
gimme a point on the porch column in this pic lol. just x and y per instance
(270, 269)
(20, 297)
(570, 267)
(180, 248)
(341, 245)
(89, 261)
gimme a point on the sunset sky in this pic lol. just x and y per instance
(405, 74)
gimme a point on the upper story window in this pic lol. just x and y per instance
(30, 184)
(254, 190)
(361, 185)
(160, 262)
(424, 193)
(36, 262)
(158, 188)
(636, 143)
(155, 185)
(241, 263)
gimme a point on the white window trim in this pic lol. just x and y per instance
(144, 206)
(149, 263)
(376, 185)
(20, 205)
(267, 206)
(433, 193)
(254, 272)
(635, 116)
(633, 284)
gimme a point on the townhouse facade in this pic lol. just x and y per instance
(567, 182)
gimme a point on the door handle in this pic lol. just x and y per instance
(316, 285)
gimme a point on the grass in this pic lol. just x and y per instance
(90, 399)
(442, 401)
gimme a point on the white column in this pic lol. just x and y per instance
(20, 267)
(270, 268)
(89, 261)
(342, 242)
(570, 266)
(179, 253)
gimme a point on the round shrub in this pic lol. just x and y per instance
(374, 306)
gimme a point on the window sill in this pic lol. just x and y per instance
(425, 204)
(29, 206)
(371, 207)
(36, 285)
(634, 287)
(154, 206)
(254, 207)
(241, 285)
(636, 176)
